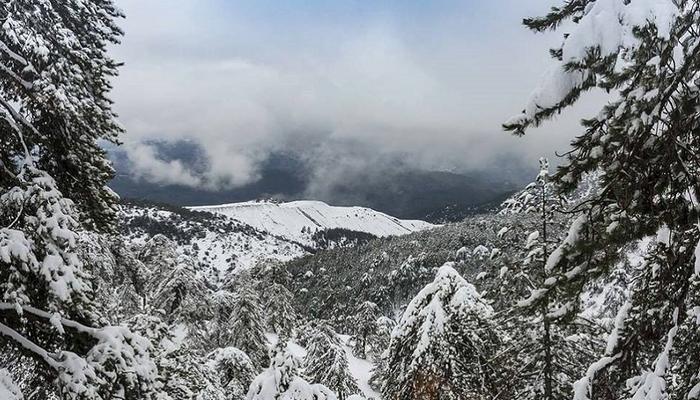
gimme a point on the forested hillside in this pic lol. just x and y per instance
(584, 284)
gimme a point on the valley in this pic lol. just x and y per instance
(246, 200)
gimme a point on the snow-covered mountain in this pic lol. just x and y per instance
(238, 236)
(299, 220)
(219, 244)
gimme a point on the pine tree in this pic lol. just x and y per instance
(222, 302)
(184, 298)
(280, 314)
(327, 363)
(546, 361)
(54, 81)
(181, 373)
(131, 277)
(443, 344)
(644, 143)
(118, 277)
(379, 340)
(246, 325)
(281, 380)
(405, 278)
(54, 88)
(379, 344)
(271, 272)
(159, 255)
(181, 293)
(365, 324)
(234, 369)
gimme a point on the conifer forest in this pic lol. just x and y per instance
(359, 238)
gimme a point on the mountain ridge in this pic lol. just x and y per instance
(299, 220)
(223, 244)
(398, 190)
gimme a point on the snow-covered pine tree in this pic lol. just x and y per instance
(365, 324)
(281, 380)
(327, 362)
(182, 294)
(246, 325)
(539, 197)
(118, 277)
(222, 302)
(443, 345)
(271, 272)
(379, 341)
(404, 279)
(159, 255)
(182, 376)
(185, 298)
(234, 369)
(279, 311)
(545, 360)
(379, 344)
(644, 143)
(54, 81)
(131, 277)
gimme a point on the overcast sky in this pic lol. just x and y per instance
(342, 83)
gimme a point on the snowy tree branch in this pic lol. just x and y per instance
(51, 317)
(29, 345)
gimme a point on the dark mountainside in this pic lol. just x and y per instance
(434, 196)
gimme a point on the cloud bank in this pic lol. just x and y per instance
(426, 84)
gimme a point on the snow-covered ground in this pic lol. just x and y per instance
(220, 247)
(360, 370)
(298, 220)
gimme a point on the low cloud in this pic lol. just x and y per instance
(145, 164)
(427, 88)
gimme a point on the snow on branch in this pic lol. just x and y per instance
(651, 385)
(582, 387)
(117, 357)
(605, 29)
(8, 389)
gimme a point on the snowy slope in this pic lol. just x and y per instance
(298, 220)
(221, 245)
(231, 237)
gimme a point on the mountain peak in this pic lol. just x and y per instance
(299, 220)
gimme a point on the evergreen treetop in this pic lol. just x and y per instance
(441, 347)
(246, 325)
(281, 380)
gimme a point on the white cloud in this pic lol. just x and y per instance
(434, 88)
(148, 167)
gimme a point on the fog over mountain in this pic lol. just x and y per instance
(365, 88)
(389, 185)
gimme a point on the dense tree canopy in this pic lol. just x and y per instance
(644, 145)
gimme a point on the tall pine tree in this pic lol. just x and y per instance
(644, 143)
(54, 109)
(246, 325)
(327, 362)
(280, 314)
(545, 360)
(365, 324)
